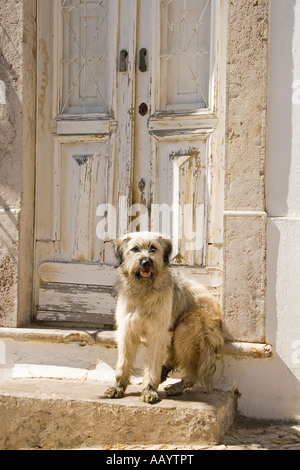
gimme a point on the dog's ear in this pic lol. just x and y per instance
(167, 247)
(119, 252)
(119, 249)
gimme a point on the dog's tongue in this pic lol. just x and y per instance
(145, 274)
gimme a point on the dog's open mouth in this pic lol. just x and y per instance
(144, 274)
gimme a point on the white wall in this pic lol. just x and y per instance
(283, 200)
(283, 163)
(270, 388)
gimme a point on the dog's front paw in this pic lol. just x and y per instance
(150, 395)
(114, 392)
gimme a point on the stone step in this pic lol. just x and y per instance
(68, 414)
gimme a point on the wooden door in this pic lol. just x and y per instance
(128, 138)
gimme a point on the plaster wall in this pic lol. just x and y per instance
(17, 157)
(283, 195)
(11, 28)
(245, 142)
(270, 388)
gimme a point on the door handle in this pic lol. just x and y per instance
(123, 61)
(142, 60)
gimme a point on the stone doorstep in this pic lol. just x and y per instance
(66, 414)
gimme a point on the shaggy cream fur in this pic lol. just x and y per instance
(178, 319)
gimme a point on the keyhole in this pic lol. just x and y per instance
(143, 109)
(141, 184)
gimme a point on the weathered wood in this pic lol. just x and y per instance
(93, 147)
(95, 319)
(78, 273)
(97, 275)
(82, 126)
(79, 303)
(71, 297)
(160, 122)
(209, 277)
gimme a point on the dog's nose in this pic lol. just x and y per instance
(146, 263)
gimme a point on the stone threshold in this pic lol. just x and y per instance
(107, 339)
(55, 414)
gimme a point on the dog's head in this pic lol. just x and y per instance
(143, 255)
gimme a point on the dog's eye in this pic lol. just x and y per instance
(135, 249)
(152, 249)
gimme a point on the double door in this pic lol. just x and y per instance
(129, 137)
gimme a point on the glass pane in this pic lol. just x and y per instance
(84, 61)
(185, 53)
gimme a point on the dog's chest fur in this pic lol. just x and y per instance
(145, 312)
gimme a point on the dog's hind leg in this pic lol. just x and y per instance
(169, 364)
(178, 388)
(165, 370)
(207, 368)
(196, 374)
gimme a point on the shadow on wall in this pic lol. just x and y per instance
(282, 326)
(10, 165)
(279, 133)
(10, 147)
(279, 154)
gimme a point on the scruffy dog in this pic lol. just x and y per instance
(178, 319)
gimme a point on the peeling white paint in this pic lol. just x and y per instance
(2, 353)
(2, 92)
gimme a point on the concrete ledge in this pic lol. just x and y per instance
(52, 414)
(255, 350)
(107, 339)
(60, 335)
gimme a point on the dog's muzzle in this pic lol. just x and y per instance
(145, 271)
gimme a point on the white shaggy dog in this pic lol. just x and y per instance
(178, 319)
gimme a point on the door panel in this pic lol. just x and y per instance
(180, 190)
(185, 52)
(81, 293)
(76, 90)
(77, 144)
(180, 85)
(83, 187)
(87, 304)
(86, 32)
(128, 114)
